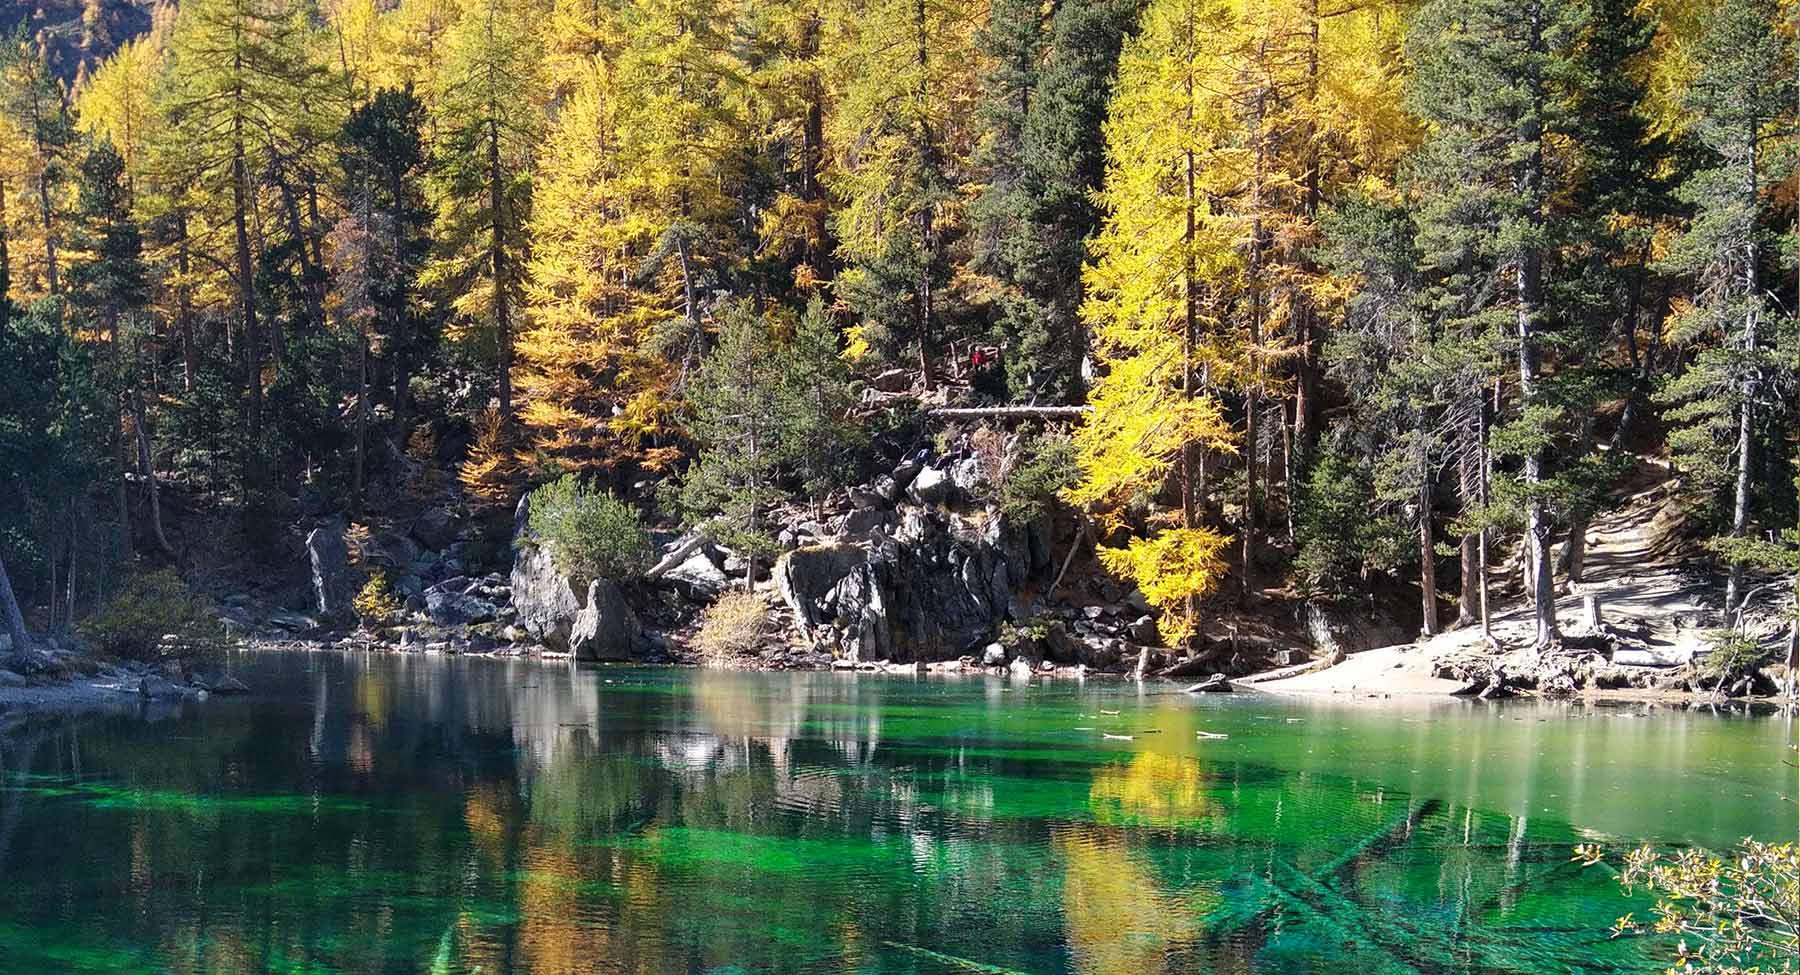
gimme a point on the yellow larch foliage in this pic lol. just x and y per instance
(1172, 567)
(591, 388)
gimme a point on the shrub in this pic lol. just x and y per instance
(588, 533)
(1044, 468)
(1732, 654)
(732, 627)
(1731, 913)
(375, 605)
(132, 622)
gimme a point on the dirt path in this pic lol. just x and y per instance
(1637, 566)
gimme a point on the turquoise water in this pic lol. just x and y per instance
(388, 814)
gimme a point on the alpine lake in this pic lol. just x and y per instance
(391, 813)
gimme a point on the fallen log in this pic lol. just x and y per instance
(1010, 412)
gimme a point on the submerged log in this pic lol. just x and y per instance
(1232, 920)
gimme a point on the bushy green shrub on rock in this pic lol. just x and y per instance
(588, 532)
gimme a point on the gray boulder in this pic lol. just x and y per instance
(698, 578)
(435, 529)
(966, 474)
(329, 559)
(450, 608)
(1143, 630)
(544, 598)
(158, 688)
(886, 488)
(805, 575)
(930, 487)
(906, 472)
(605, 628)
(993, 655)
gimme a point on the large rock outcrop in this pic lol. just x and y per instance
(937, 588)
(605, 628)
(329, 561)
(589, 617)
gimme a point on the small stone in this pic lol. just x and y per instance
(993, 655)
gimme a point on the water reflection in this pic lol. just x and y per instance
(412, 814)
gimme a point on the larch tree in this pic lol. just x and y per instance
(593, 389)
(237, 97)
(903, 76)
(681, 94)
(43, 155)
(1159, 261)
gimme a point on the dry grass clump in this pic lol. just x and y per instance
(732, 627)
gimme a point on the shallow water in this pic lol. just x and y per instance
(406, 814)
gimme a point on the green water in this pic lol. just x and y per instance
(404, 814)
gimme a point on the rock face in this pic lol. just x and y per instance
(605, 628)
(544, 598)
(329, 559)
(939, 587)
(698, 577)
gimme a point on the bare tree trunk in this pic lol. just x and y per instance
(1427, 553)
(148, 470)
(1529, 270)
(9, 609)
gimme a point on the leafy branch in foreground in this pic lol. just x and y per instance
(1734, 915)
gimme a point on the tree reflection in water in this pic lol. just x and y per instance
(409, 814)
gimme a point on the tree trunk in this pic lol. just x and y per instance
(1529, 270)
(1306, 393)
(1427, 553)
(926, 239)
(497, 255)
(311, 279)
(184, 306)
(360, 462)
(5, 254)
(121, 495)
(148, 470)
(1252, 392)
(246, 283)
(1746, 440)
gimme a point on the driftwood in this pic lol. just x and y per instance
(676, 557)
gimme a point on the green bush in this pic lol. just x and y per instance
(1044, 469)
(588, 533)
(1732, 655)
(132, 622)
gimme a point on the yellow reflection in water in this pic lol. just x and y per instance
(1156, 790)
(1118, 919)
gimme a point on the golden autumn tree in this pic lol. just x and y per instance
(592, 388)
(1161, 262)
